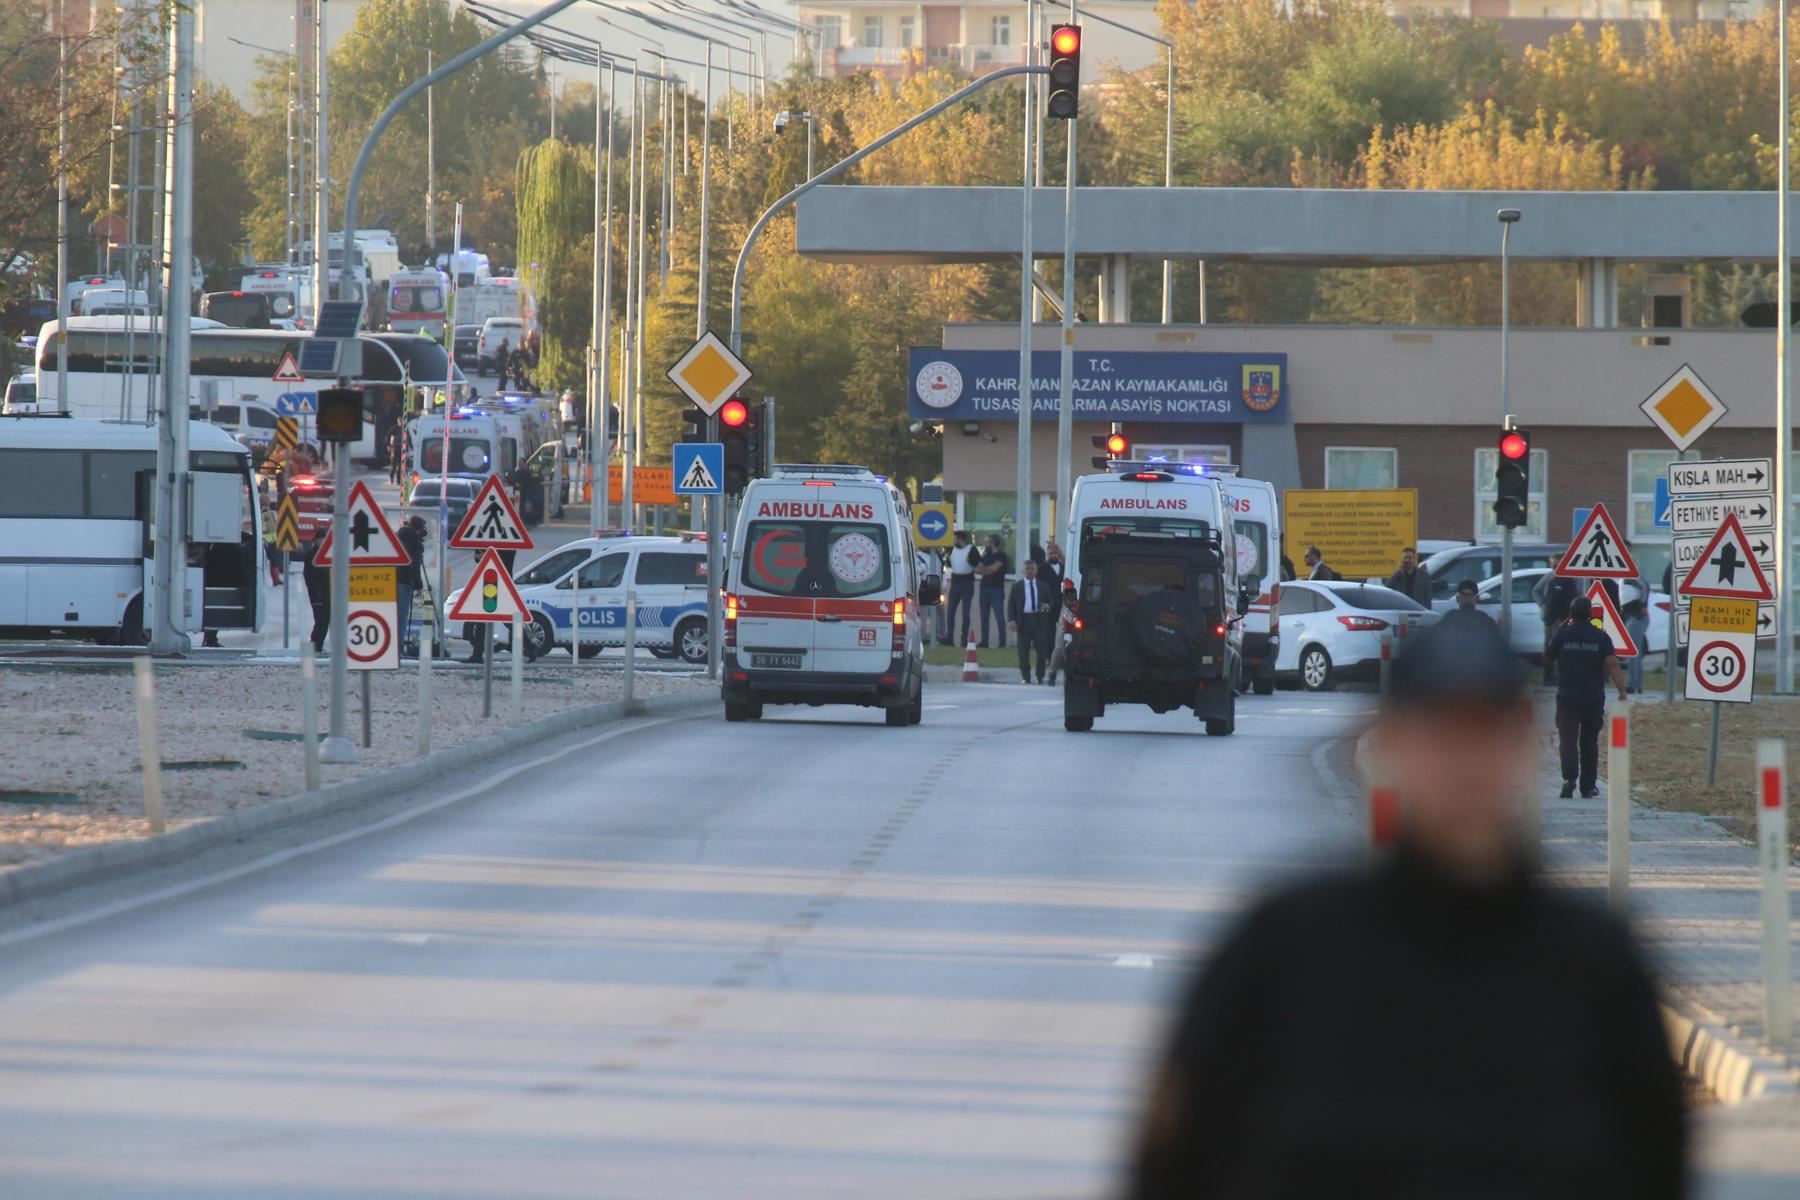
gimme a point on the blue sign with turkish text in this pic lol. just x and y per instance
(1109, 385)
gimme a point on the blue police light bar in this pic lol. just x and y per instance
(1172, 468)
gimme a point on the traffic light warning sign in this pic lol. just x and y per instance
(490, 595)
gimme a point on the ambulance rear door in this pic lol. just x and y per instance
(775, 627)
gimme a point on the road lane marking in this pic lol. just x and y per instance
(188, 887)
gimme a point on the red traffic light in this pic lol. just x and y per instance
(733, 413)
(1116, 445)
(1066, 40)
(1515, 446)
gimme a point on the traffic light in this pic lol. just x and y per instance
(756, 439)
(693, 418)
(1065, 72)
(1114, 444)
(340, 415)
(1512, 481)
(734, 421)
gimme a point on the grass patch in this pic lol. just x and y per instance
(952, 656)
(1669, 749)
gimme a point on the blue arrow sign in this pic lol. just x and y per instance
(1661, 504)
(933, 525)
(293, 404)
(1580, 519)
(699, 468)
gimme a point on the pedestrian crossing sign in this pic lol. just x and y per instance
(699, 468)
(492, 523)
(1597, 552)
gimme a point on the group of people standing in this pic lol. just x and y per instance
(518, 364)
(1036, 611)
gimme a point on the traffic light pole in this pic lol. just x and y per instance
(1506, 420)
(715, 535)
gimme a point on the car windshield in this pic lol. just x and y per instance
(1144, 526)
(466, 454)
(552, 567)
(1378, 598)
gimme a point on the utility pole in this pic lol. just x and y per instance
(170, 574)
(602, 478)
(62, 206)
(1065, 412)
(627, 497)
(321, 171)
(597, 415)
(1027, 296)
(431, 161)
(1784, 367)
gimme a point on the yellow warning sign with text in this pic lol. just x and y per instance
(372, 584)
(1360, 532)
(1713, 615)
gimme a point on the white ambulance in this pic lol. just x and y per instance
(1163, 498)
(1256, 522)
(823, 602)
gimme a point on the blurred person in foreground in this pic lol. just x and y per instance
(1436, 1024)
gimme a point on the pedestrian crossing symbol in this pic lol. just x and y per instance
(492, 523)
(699, 468)
(1598, 552)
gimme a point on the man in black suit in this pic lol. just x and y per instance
(1051, 573)
(1031, 615)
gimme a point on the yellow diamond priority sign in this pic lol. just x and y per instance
(1683, 407)
(709, 373)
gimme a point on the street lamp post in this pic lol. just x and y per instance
(1508, 217)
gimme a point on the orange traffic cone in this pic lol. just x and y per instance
(971, 668)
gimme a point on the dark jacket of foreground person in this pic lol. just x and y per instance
(1393, 1034)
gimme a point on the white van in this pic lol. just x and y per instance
(1172, 499)
(1256, 522)
(823, 603)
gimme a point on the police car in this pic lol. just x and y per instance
(582, 586)
(824, 604)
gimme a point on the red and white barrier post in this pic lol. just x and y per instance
(1772, 854)
(971, 672)
(1384, 813)
(1618, 806)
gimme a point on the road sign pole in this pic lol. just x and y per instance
(487, 665)
(715, 534)
(1712, 749)
(1618, 807)
(338, 748)
(368, 721)
(516, 702)
(287, 592)
(1772, 851)
(309, 718)
(1671, 652)
(1506, 570)
(424, 695)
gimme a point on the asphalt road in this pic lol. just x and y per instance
(809, 957)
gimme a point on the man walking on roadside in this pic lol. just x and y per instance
(1411, 579)
(1031, 615)
(1585, 660)
(410, 577)
(1502, 1038)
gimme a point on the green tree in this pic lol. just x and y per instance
(555, 189)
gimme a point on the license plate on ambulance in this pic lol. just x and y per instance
(777, 662)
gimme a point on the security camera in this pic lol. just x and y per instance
(781, 121)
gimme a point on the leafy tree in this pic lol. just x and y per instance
(555, 190)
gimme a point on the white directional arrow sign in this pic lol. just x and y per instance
(1703, 515)
(1721, 477)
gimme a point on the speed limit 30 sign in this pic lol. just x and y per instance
(372, 645)
(1722, 651)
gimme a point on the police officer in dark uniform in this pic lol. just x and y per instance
(1585, 660)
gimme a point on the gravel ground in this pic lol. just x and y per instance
(74, 733)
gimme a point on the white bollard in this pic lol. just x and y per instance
(1618, 807)
(309, 717)
(149, 748)
(517, 712)
(424, 694)
(630, 644)
(1772, 852)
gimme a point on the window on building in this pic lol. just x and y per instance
(1000, 31)
(1183, 453)
(831, 32)
(1361, 467)
(1487, 465)
(872, 31)
(908, 33)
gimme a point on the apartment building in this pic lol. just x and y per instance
(897, 40)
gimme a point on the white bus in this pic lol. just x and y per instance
(110, 370)
(415, 302)
(76, 540)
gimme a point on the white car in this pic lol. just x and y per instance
(1332, 631)
(585, 583)
(1528, 620)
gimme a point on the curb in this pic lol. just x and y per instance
(71, 870)
(1732, 1066)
